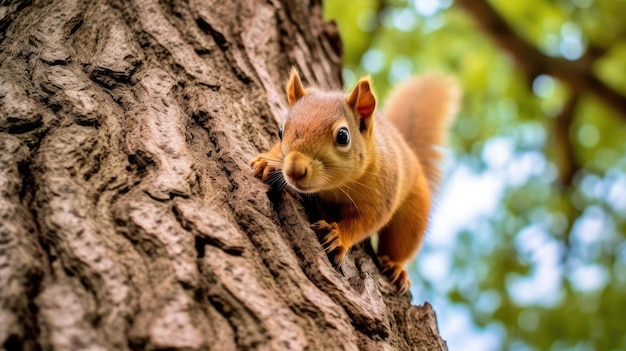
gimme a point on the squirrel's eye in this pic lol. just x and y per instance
(280, 133)
(343, 136)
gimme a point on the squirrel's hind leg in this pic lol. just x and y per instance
(400, 239)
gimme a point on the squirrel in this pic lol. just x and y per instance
(367, 173)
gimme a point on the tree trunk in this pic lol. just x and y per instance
(129, 216)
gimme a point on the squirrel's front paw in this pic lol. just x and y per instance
(396, 274)
(262, 167)
(332, 240)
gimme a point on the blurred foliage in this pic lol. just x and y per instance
(546, 268)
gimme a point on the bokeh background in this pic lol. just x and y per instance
(527, 249)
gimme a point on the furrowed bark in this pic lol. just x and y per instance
(130, 218)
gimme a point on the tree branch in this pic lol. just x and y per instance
(577, 74)
(568, 166)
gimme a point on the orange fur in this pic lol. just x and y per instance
(378, 181)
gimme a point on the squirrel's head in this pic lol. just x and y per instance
(326, 136)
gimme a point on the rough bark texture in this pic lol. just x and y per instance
(129, 217)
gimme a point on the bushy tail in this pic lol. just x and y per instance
(422, 109)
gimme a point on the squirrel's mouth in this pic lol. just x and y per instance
(303, 189)
(299, 187)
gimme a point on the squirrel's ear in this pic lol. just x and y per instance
(363, 101)
(295, 90)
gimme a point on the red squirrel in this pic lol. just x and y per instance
(367, 173)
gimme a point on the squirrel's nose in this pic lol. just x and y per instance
(296, 166)
(296, 171)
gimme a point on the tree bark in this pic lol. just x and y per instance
(129, 216)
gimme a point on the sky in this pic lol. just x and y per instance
(465, 197)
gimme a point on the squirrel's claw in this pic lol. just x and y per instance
(262, 168)
(404, 284)
(332, 241)
(258, 164)
(396, 274)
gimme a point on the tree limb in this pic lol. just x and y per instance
(568, 166)
(577, 74)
